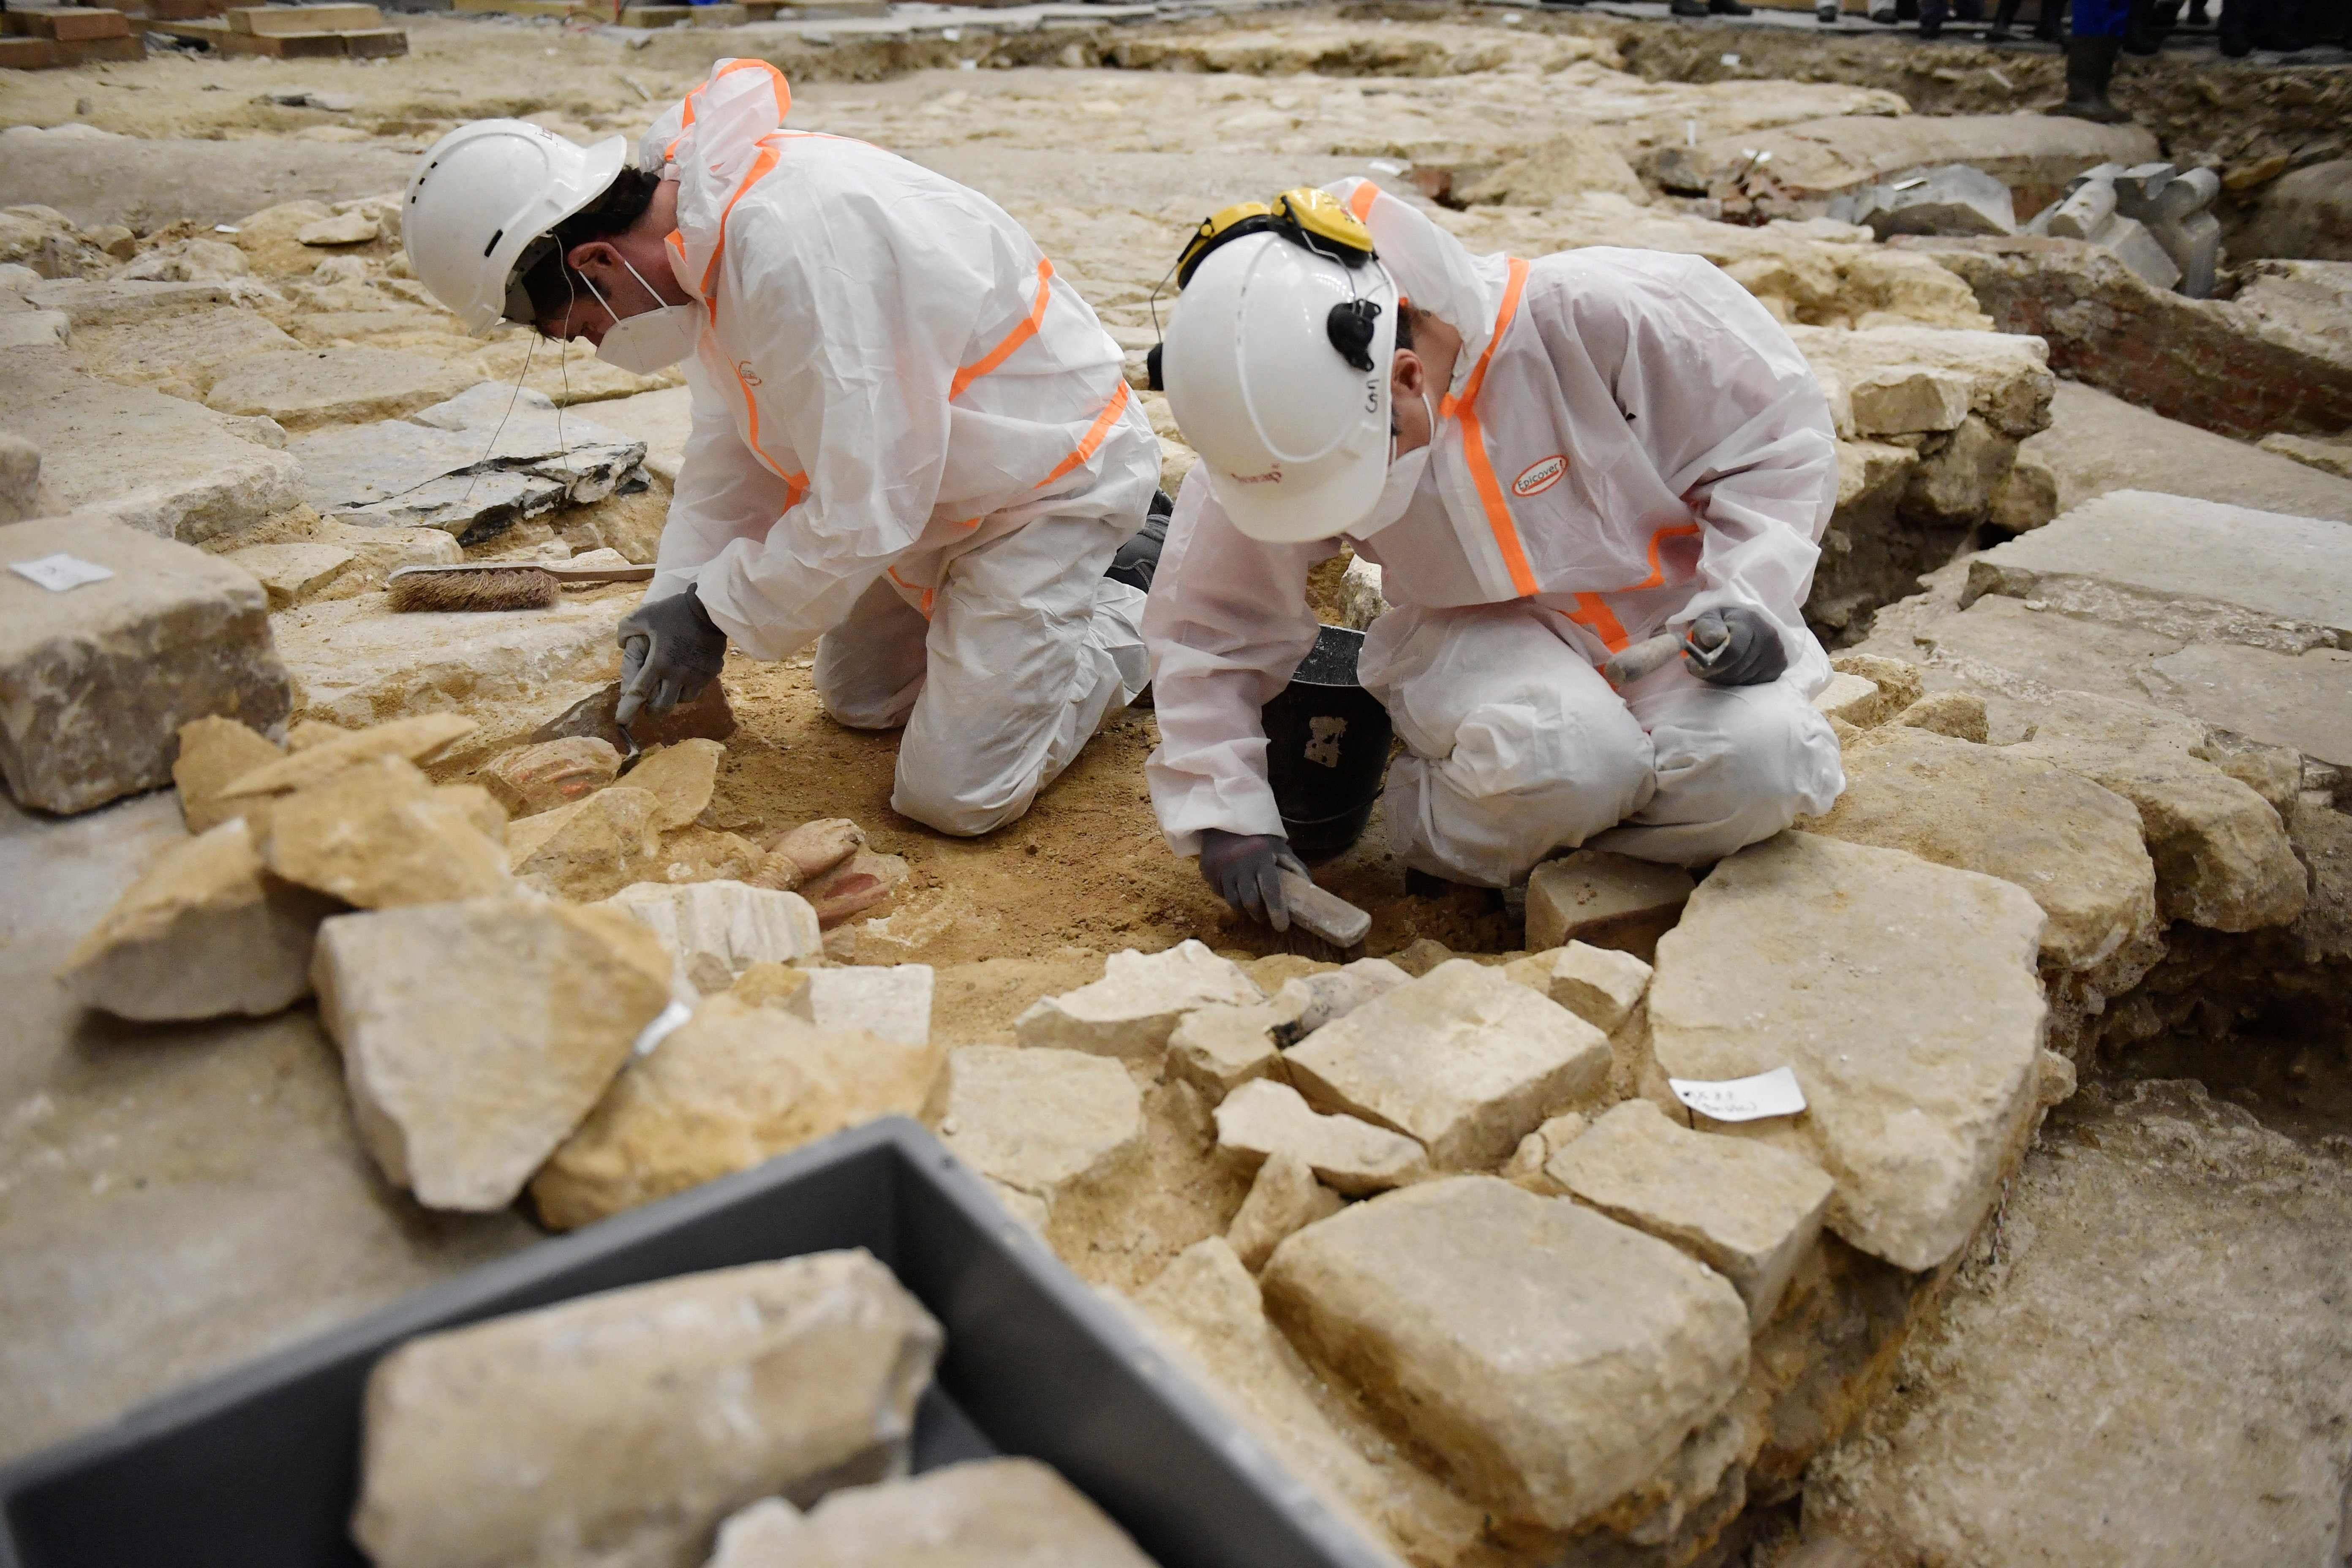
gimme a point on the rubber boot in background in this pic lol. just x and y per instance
(2047, 14)
(2140, 34)
(2090, 67)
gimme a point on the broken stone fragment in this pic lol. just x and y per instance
(2072, 846)
(734, 1085)
(640, 1419)
(476, 1034)
(317, 755)
(1907, 400)
(1134, 1007)
(1283, 1200)
(1263, 1119)
(809, 851)
(1320, 998)
(214, 754)
(1904, 998)
(1462, 1061)
(1208, 1307)
(538, 777)
(1599, 985)
(1959, 714)
(1528, 1165)
(1549, 1358)
(377, 835)
(1745, 1209)
(206, 932)
(1849, 698)
(681, 777)
(983, 1513)
(1605, 900)
(2222, 853)
(590, 850)
(1039, 1120)
(853, 886)
(20, 476)
(99, 677)
(1956, 482)
(720, 930)
(294, 572)
(1899, 685)
(891, 1001)
(1221, 1046)
(344, 228)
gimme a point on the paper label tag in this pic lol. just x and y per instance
(60, 573)
(1773, 1093)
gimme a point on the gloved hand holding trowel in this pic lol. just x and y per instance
(1731, 646)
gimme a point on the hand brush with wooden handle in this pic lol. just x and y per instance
(497, 584)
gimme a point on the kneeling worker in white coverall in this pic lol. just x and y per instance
(1551, 461)
(909, 438)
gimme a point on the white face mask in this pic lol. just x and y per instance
(1404, 480)
(650, 340)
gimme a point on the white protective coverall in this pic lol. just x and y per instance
(908, 436)
(1629, 439)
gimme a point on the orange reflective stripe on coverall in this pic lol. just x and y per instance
(1575, 445)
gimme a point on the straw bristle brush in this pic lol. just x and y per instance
(497, 584)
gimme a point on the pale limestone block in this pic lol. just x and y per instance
(1220, 1047)
(1599, 985)
(1285, 1198)
(1747, 1210)
(681, 777)
(206, 931)
(1463, 1060)
(477, 1035)
(718, 930)
(1134, 1007)
(1039, 1120)
(1261, 1119)
(734, 1085)
(983, 1513)
(890, 1001)
(1550, 1359)
(1848, 696)
(378, 834)
(1207, 1307)
(639, 1418)
(1607, 900)
(1320, 998)
(322, 756)
(1904, 998)
(1907, 400)
(214, 754)
(98, 678)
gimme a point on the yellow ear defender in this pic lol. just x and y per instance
(1306, 217)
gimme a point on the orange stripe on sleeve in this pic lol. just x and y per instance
(759, 167)
(1657, 576)
(1474, 445)
(1595, 616)
(1360, 200)
(1085, 448)
(1020, 334)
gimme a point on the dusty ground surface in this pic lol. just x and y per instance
(148, 1180)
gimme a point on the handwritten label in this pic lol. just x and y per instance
(60, 573)
(1773, 1093)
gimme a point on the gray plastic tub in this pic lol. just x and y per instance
(258, 1469)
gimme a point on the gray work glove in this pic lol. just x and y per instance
(1734, 645)
(670, 649)
(1246, 871)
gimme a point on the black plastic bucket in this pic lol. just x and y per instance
(1326, 749)
(259, 1469)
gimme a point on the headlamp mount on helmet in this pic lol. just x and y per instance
(1313, 220)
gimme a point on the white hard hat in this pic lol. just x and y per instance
(1294, 438)
(480, 199)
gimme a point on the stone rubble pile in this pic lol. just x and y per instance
(580, 995)
(689, 1421)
